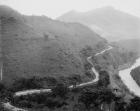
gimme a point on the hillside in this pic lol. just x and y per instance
(135, 73)
(111, 23)
(40, 46)
(130, 45)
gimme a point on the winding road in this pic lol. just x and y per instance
(10, 107)
(35, 91)
(20, 93)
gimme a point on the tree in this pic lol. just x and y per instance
(60, 90)
(24, 83)
(74, 79)
(2, 87)
(104, 79)
(97, 98)
(135, 104)
(89, 98)
(4, 92)
(87, 66)
(120, 104)
(106, 96)
(86, 51)
(98, 67)
(52, 103)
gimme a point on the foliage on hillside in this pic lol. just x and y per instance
(94, 97)
(40, 46)
(135, 73)
(116, 57)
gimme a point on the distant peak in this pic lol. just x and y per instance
(72, 12)
(109, 7)
(106, 8)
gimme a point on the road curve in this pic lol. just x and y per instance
(26, 92)
(8, 106)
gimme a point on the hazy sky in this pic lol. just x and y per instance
(54, 8)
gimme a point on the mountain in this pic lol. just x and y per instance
(111, 23)
(40, 46)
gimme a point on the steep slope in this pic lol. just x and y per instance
(39, 46)
(135, 73)
(107, 21)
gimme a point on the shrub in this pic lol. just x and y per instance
(104, 79)
(60, 90)
(23, 84)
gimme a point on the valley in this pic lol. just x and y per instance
(65, 65)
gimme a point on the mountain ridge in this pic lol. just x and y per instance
(111, 23)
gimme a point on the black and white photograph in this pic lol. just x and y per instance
(69, 55)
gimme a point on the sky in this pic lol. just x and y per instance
(55, 8)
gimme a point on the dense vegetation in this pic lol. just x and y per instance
(40, 46)
(130, 45)
(115, 58)
(94, 97)
(136, 75)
